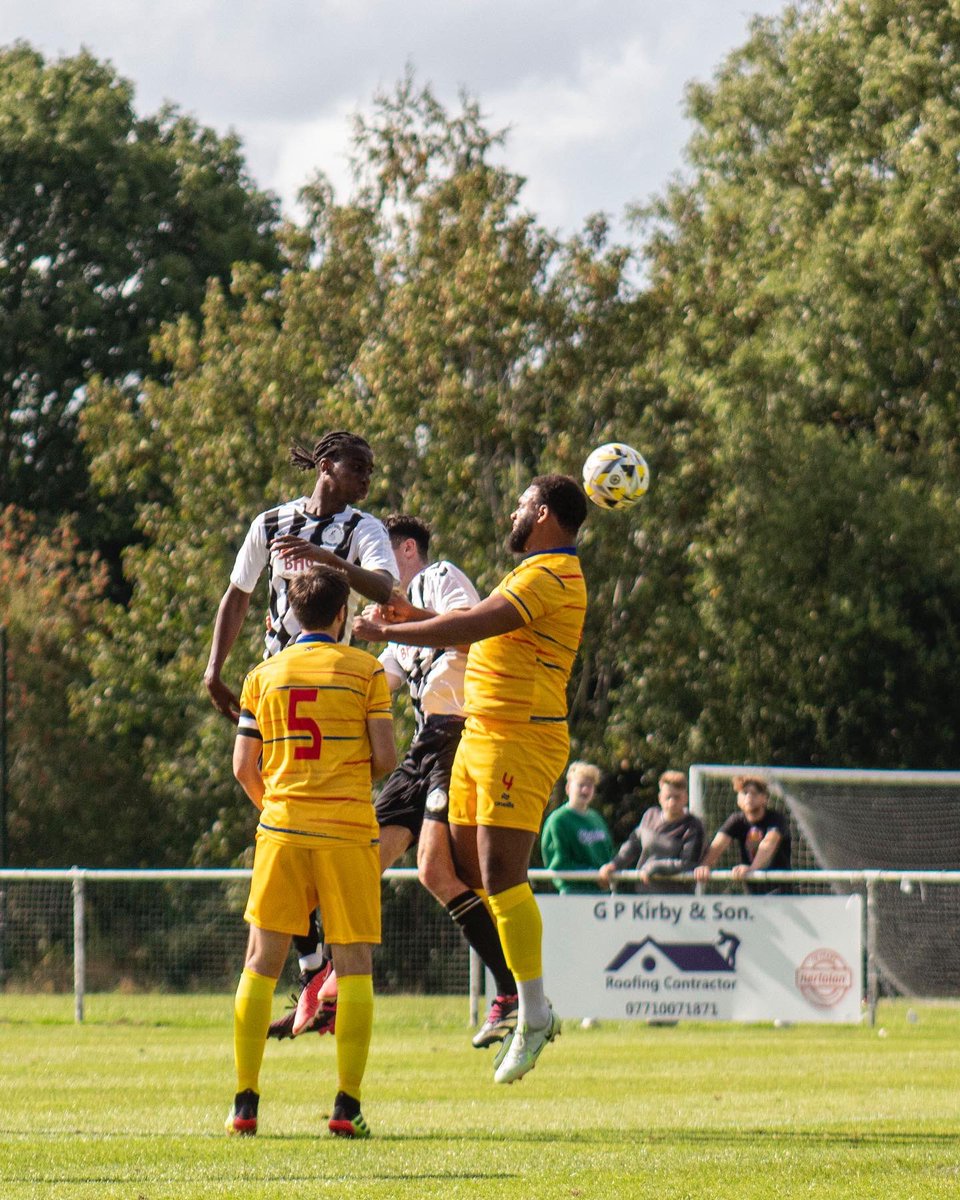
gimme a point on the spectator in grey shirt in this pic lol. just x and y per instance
(668, 840)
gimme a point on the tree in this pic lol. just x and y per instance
(430, 312)
(806, 276)
(785, 591)
(830, 611)
(73, 799)
(812, 257)
(110, 225)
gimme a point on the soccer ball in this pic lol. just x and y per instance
(615, 475)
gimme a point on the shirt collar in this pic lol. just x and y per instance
(344, 514)
(551, 550)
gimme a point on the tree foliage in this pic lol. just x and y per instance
(430, 312)
(805, 270)
(110, 225)
(787, 592)
(73, 799)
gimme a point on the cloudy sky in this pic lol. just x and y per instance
(591, 89)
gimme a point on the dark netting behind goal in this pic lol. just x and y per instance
(850, 820)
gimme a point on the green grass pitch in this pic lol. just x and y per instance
(131, 1104)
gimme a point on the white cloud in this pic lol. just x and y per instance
(591, 88)
(569, 133)
(288, 154)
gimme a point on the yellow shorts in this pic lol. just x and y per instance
(290, 881)
(503, 776)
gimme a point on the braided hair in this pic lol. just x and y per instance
(331, 445)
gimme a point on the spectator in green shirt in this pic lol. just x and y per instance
(575, 837)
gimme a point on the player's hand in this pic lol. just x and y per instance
(605, 872)
(379, 614)
(369, 629)
(224, 701)
(701, 874)
(398, 608)
(741, 871)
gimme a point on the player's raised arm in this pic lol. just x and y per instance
(229, 621)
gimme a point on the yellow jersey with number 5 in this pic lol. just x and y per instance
(309, 705)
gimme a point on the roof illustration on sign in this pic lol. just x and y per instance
(717, 956)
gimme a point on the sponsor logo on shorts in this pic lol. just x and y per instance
(505, 801)
(824, 978)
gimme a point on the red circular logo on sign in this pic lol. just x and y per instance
(824, 978)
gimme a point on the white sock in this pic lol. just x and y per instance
(533, 1008)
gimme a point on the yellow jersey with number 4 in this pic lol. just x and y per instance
(309, 705)
(522, 676)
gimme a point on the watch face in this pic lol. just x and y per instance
(436, 800)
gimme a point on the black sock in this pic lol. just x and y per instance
(470, 913)
(309, 942)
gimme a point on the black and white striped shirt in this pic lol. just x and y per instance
(435, 677)
(355, 536)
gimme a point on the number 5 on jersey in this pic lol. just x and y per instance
(306, 725)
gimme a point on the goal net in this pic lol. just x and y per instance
(857, 820)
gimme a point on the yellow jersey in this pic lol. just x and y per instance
(309, 706)
(522, 675)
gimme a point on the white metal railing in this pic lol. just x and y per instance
(868, 879)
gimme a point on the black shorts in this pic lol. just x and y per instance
(418, 789)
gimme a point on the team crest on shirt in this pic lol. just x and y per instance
(332, 535)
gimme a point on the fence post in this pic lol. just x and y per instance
(79, 943)
(873, 977)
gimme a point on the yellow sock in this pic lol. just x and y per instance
(354, 1028)
(521, 930)
(251, 1020)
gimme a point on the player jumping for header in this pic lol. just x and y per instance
(523, 641)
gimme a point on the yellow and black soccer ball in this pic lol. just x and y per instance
(615, 475)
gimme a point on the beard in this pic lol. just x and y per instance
(520, 533)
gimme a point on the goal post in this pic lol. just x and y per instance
(869, 820)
